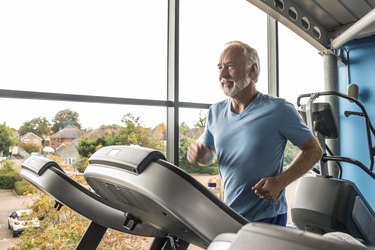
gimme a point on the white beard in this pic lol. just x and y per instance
(237, 87)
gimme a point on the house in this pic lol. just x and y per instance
(31, 138)
(65, 136)
(68, 153)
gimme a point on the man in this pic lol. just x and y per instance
(248, 133)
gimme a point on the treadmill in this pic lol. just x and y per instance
(137, 191)
(141, 183)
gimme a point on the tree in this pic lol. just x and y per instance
(134, 134)
(65, 118)
(39, 126)
(201, 123)
(184, 129)
(7, 139)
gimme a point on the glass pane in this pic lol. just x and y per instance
(192, 123)
(205, 27)
(300, 66)
(85, 47)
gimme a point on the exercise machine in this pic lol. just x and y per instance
(137, 191)
(142, 183)
(259, 236)
(325, 203)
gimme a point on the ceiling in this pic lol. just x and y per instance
(325, 24)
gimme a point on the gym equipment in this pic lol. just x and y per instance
(149, 189)
(258, 236)
(48, 176)
(139, 192)
(324, 203)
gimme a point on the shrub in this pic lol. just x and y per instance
(7, 181)
(23, 186)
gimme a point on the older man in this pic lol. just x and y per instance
(247, 134)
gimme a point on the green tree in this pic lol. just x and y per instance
(184, 129)
(7, 139)
(86, 147)
(290, 153)
(65, 118)
(134, 134)
(201, 123)
(39, 126)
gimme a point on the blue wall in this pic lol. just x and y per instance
(353, 140)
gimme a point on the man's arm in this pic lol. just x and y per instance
(270, 188)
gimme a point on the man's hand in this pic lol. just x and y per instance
(200, 154)
(268, 188)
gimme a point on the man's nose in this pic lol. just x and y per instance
(223, 72)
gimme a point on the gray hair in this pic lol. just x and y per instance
(250, 53)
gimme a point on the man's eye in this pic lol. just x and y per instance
(230, 67)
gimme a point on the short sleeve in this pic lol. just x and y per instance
(292, 126)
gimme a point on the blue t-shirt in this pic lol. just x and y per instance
(250, 146)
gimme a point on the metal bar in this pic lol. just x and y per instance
(172, 82)
(354, 30)
(79, 98)
(19, 94)
(92, 237)
(273, 59)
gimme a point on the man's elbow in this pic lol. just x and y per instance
(316, 151)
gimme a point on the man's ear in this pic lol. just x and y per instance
(253, 72)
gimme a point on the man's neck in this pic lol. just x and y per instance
(243, 99)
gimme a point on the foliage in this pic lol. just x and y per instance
(290, 153)
(8, 175)
(87, 147)
(63, 230)
(184, 129)
(9, 167)
(7, 181)
(23, 186)
(7, 139)
(31, 147)
(65, 118)
(39, 126)
(202, 119)
(134, 134)
(81, 164)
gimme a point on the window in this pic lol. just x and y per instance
(205, 27)
(300, 66)
(116, 48)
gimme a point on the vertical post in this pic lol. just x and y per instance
(331, 83)
(273, 59)
(172, 84)
(92, 237)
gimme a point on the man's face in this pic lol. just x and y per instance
(234, 75)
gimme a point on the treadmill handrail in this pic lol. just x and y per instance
(369, 127)
(349, 160)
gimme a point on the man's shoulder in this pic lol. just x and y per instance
(220, 105)
(271, 99)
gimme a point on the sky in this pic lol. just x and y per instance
(118, 48)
